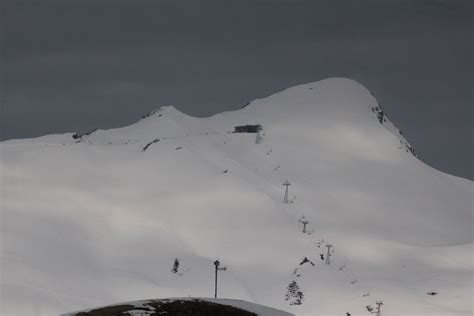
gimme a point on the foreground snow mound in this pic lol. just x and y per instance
(185, 306)
(116, 215)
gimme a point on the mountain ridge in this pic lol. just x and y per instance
(328, 88)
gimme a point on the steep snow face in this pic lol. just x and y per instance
(101, 218)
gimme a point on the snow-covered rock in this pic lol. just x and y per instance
(96, 219)
(149, 307)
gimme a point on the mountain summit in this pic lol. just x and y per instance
(97, 218)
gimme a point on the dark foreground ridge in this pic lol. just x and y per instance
(171, 308)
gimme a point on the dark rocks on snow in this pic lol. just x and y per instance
(148, 114)
(245, 105)
(175, 266)
(306, 260)
(294, 295)
(380, 114)
(80, 135)
(193, 307)
(412, 150)
(149, 144)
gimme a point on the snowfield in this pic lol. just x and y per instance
(99, 219)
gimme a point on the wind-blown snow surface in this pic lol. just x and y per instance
(97, 220)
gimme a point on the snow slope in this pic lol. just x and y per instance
(95, 220)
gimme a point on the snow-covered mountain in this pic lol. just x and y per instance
(99, 218)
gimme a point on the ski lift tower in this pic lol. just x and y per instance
(305, 222)
(285, 198)
(218, 268)
(328, 255)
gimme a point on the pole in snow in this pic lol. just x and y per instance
(285, 198)
(328, 260)
(304, 221)
(218, 268)
(379, 305)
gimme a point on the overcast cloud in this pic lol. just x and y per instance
(72, 65)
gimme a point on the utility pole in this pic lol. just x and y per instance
(379, 305)
(218, 268)
(285, 198)
(304, 221)
(328, 260)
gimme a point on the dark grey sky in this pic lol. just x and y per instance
(71, 65)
